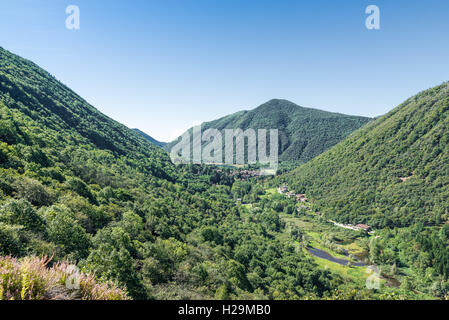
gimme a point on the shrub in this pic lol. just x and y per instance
(212, 234)
(10, 240)
(20, 212)
(3, 156)
(6, 184)
(33, 191)
(8, 132)
(31, 279)
(78, 186)
(65, 231)
(112, 259)
(132, 224)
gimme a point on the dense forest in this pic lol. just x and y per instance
(303, 132)
(149, 138)
(77, 186)
(392, 172)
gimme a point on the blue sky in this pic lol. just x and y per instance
(164, 65)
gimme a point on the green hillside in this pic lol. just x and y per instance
(392, 172)
(303, 132)
(76, 185)
(149, 138)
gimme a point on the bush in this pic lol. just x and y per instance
(33, 191)
(30, 279)
(20, 212)
(212, 234)
(8, 132)
(6, 185)
(65, 231)
(112, 259)
(132, 224)
(117, 264)
(153, 270)
(78, 186)
(90, 217)
(10, 243)
(3, 156)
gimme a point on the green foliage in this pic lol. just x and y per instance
(212, 234)
(20, 212)
(31, 279)
(151, 139)
(391, 172)
(112, 258)
(33, 191)
(65, 231)
(132, 224)
(10, 240)
(79, 186)
(303, 132)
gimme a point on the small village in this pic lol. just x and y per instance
(301, 197)
(245, 174)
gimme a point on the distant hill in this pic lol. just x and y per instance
(304, 133)
(392, 172)
(151, 139)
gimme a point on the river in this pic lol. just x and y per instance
(391, 282)
(324, 255)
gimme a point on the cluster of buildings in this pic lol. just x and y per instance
(300, 196)
(362, 226)
(356, 227)
(244, 174)
(282, 189)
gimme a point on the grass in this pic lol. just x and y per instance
(30, 278)
(314, 229)
(357, 274)
(353, 248)
(269, 193)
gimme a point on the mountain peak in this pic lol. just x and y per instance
(303, 132)
(278, 103)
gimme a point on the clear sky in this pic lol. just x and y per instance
(164, 65)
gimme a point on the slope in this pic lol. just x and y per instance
(303, 132)
(77, 186)
(151, 139)
(392, 172)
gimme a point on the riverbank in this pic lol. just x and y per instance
(325, 255)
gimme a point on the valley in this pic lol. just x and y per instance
(344, 251)
(83, 195)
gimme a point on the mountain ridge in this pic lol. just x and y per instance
(78, 186)
(391, 172)
(150, 138)
(303, 132)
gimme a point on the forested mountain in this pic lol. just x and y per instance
(76, 185)
(303, 132)
(392, 172)
(149, 138)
